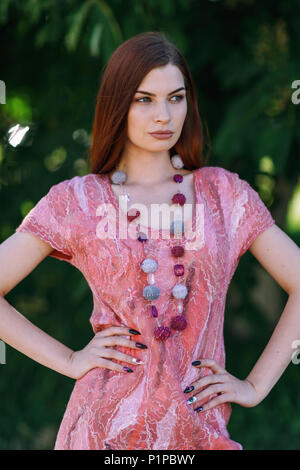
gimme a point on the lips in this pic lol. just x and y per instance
(161, 135)
(162, 132)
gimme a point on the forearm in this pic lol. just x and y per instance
(278, 352)
(17, 331)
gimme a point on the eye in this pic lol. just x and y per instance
(180, 97)
(144, 98)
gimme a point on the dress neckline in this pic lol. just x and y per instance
(152, 230)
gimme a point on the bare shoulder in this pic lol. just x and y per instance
(280, 256)
(19, 256)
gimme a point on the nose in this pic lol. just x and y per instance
(162, 112)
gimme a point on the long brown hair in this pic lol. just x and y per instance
(123, 73)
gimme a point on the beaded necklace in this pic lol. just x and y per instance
(149, 265)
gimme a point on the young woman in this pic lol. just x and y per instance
(159, 291)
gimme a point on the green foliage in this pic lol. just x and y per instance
(243, 56)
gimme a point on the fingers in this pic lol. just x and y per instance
(219, 374)
(117, 330)
(206, 382)
(113, 354)
(106, 340)
(212, 364)
(118, 341)
(209, 379)
(104, 363)
(219, 400)
(114, 336)
(218, 387)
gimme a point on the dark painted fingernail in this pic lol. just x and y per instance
(196, 363)
(127, 369)
(200, 408)
(134, 332)
(141, 346)
(188, 389)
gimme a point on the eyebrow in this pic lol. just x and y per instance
(152, 94)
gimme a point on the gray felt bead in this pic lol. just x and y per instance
(177, 227)
(118, 177)
(149, 265)
(179, 291)
(151, 292)
(177, 161)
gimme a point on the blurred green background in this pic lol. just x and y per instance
(244, 58)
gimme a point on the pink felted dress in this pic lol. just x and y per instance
(147, 409)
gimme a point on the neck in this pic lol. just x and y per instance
(147, 168)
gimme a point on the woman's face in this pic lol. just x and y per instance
(162, 108)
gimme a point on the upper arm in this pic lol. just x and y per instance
(19, 255)
(52, 220)
(280, 256)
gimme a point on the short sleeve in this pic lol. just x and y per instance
(51, 220)
(249, 216)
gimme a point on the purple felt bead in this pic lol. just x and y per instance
(154, 311)
(142, 237)
(179, 270)
(177, 250)
(161, 333)
(179, 323)
(178, 178)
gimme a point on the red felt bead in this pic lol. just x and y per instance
(179, 270)
(177, 250)
(161, 333)
(179, 199)
(179, 322)
(132, 214)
